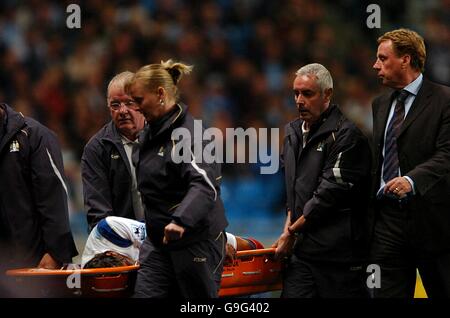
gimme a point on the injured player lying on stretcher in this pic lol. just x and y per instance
(115, 241)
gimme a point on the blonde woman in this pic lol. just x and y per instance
(185, 218)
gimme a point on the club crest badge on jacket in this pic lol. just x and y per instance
(14, 146)
(161, 151)
(320, 146)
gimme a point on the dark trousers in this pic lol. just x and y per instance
(311, 279)
(194, 271)
(398, 257)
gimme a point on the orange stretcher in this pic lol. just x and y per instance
(109, 282)
(252, 271)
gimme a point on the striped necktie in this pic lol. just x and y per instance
(391, 164)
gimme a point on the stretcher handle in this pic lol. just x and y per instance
(65, 272)
(258, 252)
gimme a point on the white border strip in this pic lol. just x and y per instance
(203, 173)
(58, 174)
(337, 170)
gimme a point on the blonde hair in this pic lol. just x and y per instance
(405, 41)
(166, 74)
(119, 80)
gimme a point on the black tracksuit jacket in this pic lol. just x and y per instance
(187, 193)
(34, 216)
(106, 175)
(328, 182)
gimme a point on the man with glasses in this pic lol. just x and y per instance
(108, 174)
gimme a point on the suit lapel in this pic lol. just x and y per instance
(381, 113)
(420, 103)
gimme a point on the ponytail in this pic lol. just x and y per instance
(176, 69)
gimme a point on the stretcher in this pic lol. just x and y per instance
(111, 282)
(251, 272)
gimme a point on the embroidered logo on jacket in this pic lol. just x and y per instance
(14, 146)
(115, 156)
(320, 146)
(161, 151)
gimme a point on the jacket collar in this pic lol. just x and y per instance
(327, 123)
(15, 122)
(168, 121)
(111, 133)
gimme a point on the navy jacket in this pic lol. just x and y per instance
(34, 216)
(106, 176)
(328, 182)
(187, 193)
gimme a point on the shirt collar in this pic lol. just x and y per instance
(304, 130)
(414, 86)
(126, 141)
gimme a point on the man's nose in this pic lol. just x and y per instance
(123, 109)
(376, 65)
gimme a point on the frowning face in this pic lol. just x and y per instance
(125, 113)
(311, 103)
(389, 66)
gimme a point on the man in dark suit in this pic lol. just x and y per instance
(411, 176)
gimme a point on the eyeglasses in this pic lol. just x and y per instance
(116, 105)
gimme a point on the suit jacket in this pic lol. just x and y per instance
(424, 155)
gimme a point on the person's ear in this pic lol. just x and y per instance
(406, 60)
(328, 93)
(161, 93)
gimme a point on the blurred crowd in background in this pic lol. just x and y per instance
(244, 52)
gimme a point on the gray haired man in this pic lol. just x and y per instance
(108, 174)
(326, 161)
